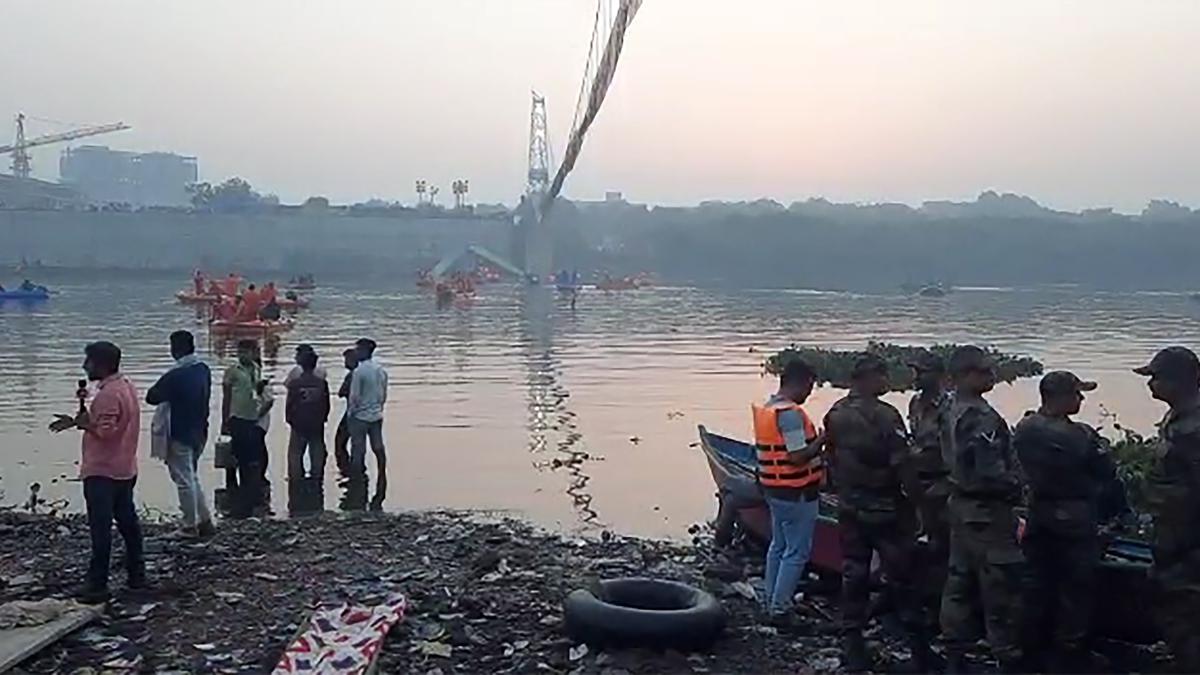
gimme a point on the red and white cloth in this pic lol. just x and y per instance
(342, 639)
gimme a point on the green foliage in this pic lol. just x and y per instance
(1134, 456)
(233, 196)
(834, 366)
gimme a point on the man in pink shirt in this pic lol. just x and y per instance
(108, 468)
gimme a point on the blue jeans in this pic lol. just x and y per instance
(792, 524)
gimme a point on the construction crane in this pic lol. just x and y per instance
(20, 148)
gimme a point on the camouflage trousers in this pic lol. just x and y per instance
(1060, 584)
(895, 543)
(935, 523)
(984, 579)
(1177, 609)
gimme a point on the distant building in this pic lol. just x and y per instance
(30, 193)
(106, 176)
(614, 197)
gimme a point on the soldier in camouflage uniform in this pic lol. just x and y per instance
(924, 419)
(871, 464)
(985, 559)
(1067, 468)
(1173, 496)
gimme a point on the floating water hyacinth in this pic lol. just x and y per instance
(834, 366)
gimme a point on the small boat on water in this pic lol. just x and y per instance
(1121, 610)
(250, 329)
(32, 295)
(304, 282)
(625, 284)
(191, 298)
(933, 291)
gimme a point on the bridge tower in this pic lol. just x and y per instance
(535, 241)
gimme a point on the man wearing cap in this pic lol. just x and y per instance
(1067, 467)
(790, 471)
(924, 420)
(872, 469)
(1173, 497)
(985, 558)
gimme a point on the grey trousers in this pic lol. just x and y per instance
(182, 461)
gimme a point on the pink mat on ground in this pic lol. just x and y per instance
(342, 638)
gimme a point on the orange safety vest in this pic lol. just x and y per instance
(774, 468)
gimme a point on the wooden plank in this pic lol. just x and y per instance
(18, 644)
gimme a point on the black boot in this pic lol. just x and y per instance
(854, 650)
(956, 663)
(924, 659)
(1013, 666)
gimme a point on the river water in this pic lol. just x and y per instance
(485, 397)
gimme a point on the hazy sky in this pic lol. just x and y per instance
(1095, 102)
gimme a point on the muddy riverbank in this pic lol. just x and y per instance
(485, 595)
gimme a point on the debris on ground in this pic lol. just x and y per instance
(483, 595)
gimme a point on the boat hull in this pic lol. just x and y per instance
(252, 329)
(24, 296)
(187, 298)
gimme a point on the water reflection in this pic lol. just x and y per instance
(550, 420)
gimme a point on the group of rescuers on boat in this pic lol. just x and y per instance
(237, 306)
(956, 474)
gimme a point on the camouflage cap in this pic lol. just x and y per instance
(968, 358)
(1062, 382)
(867, 364)
(1172, 362)
(927, 361)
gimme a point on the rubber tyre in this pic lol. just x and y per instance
(641, 612)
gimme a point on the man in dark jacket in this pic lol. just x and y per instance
(1067, 469)
(307, 410)
(186, 388)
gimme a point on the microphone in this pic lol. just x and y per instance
(81, 394)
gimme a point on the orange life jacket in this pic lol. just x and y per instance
(774, 468)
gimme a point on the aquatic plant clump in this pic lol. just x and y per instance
(834, 366)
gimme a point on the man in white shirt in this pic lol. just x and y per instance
(364, 413)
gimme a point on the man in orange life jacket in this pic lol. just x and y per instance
(790, 473)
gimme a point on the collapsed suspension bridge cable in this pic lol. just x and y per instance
(598, 77)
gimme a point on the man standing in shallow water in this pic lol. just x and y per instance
(364, 410)
(241, 408)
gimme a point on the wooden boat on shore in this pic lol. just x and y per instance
(1122, 610)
